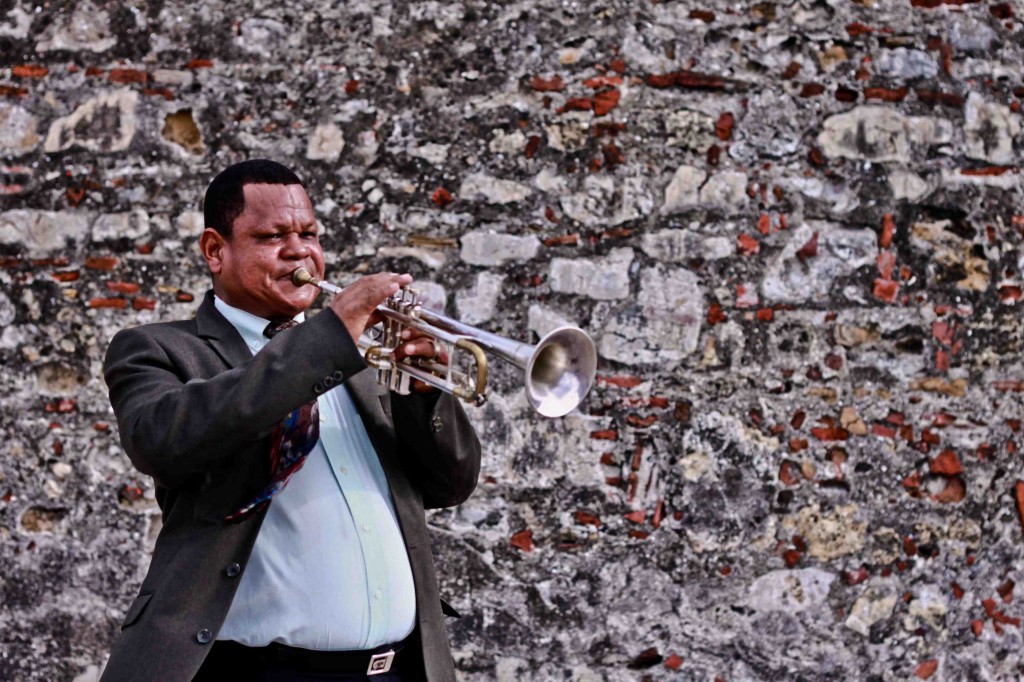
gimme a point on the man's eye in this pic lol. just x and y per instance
(309, 234)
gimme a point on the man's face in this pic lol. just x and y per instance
(275, 234)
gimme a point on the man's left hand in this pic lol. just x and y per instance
(418, 344)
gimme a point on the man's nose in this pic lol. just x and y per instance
(294, 247)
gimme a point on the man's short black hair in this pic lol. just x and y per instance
(225, 200)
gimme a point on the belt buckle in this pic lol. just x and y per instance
(380, 663)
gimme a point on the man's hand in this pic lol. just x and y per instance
(417, 344)
(356, 305)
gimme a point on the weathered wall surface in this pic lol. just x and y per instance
(792, 227)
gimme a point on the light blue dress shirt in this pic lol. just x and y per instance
(329, 570)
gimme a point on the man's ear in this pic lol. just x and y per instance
(211, 245)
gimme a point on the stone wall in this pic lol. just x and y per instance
(791, 227)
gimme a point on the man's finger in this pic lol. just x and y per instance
(422, 347)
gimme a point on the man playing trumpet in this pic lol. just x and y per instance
(292, 485)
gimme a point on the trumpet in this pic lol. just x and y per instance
(559, 370)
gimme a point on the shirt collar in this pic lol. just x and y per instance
(248, 325)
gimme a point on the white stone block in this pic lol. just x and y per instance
(490, 248)
(600, 278)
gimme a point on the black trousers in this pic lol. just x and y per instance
(230, 661)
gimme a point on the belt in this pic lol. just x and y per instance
(375, 661)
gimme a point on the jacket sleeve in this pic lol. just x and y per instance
(173, 426)
(438, 446)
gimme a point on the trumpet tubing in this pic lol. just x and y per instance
(559, 370)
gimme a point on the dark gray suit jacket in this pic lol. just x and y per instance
(195, 410)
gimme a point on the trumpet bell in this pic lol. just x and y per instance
(560, 371)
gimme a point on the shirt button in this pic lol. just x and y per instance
(366, 527)
(204, 636)
(233, 570)
(344, 470)
(378, 594)
(257, 344)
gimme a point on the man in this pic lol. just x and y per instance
(293, 544)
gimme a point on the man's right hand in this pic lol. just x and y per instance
(356, 305)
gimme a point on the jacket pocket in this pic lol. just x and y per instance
(448, 610)
(136, 609)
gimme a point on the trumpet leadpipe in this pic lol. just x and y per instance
(303, 276)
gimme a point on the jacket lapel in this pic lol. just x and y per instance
(220, 334)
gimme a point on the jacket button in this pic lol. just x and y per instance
(318, 388)
(233, 570)
(204, 636)
(339, 376)
(437, 424)
(328, 381)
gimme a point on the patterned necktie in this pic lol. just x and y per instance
(290, 442)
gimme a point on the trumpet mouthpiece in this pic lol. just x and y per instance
(301, 276)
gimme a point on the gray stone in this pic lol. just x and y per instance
(792, 279)
(693, 130)
(989, 129)
(433, 296)
(875, 603)
(366, 147)
(599, 278)
(950, 178)
(7, 310)
(483, 187)
(774, 130)
(91, 673)
(479, 303)
(542, 320)
(683, 191)
(591, 206)
(190, 224)
(548, 180)
(929, 606)
(105, 123)
(634, 201)
(43, 231)
(727, 190)
(261, 36)
(790, 591)
(679, 246)
(672, 312)
(903, 64)
(16, 24)
(128, 225)
(642, 58)
(967, 34)
(908, 185)
(17, 130)
(325, 143)
(436, 154)
(173, 77)
(507, 143)
(87, 27)
(570, 134)
(56, 378)
(840, 198)
(879, 133)
(490, 248)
